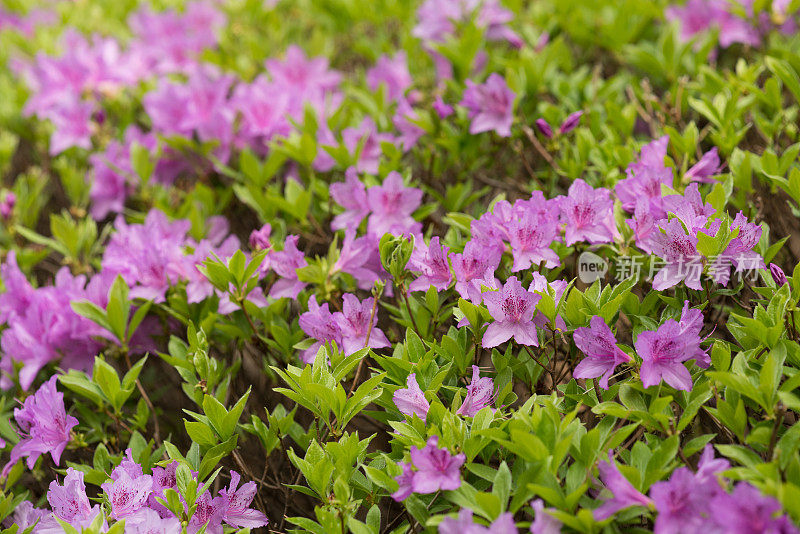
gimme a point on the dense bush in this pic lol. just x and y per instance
(379, 266)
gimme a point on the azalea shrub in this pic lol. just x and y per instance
(451, 266)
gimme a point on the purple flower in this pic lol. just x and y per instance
(209, 513)
(531, 227)
(259, 239)
(703, 170)
(44, 426)
(168, 41)
(72, 127)
(679, 250)
(664, 350)
(405, 480)
(490, 105)
(709, 466)
(544, 127)
(442, 109)
(285, 263)
(365, 141)
(264, 107)
(697, 16)
(359, 258)
(474, 268)
(392, 73)
(512, 309)
(746, 510)
(436, 468)
(411, 400)
(681, 504)
(352, 196)
(127, 494)
(319, 323)
(310, 79)
(778, 275)
(543, 522)
(26, 515)
(405, 120)
(432, 264)
(588, 214)
(354, 323)
(600, 348)
(147, 521)
(163, 478)
(740, 249)
(7, 205)
(69, 501)
(504, 524)
(645, 178)
(623, 494)
(392, 205)
(571, 122)
(237, 509)
(480, 394)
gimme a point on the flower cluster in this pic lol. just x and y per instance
(137, 499)
(695, 502)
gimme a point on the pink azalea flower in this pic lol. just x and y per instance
(436, 468)
(600, 348)
(530, 238)
(72, 127)
(352, 196)
(697, 16)
(504, 524)
(474, 268)
(354, 323)
(679, 250)
(209, 513)
(358, 258)
(406, 481)
(404, 120)
(365, 140)
(391, 73)
(392, 205)
(44, 426)
(237, 509)
(512, 309)
(746, 510)
(645, 178)
(411, 400)
(432, 264)
(480, 394)
(490, 105)
(703, 170)
(147, 521)
(259, 239)
(163, 478)
(588, 214)
(442, 109)
(320, 324)
(543, 522)
(285, 263)
(664, 350)
(623, 494)
(127, 495)
(68, 500)
(681, 504)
